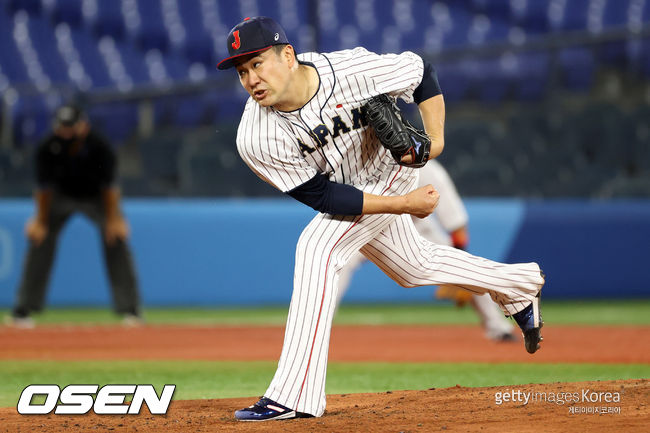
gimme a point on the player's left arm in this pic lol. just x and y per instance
(432, 111)
(115, 225)
(431, 104)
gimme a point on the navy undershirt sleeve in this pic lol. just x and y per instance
(429, 86)
(329, 197)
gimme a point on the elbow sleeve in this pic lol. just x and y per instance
(429, 87)
(325, 196)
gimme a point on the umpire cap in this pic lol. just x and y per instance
(68, 115)
(250, 36)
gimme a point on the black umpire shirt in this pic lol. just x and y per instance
(82, 174)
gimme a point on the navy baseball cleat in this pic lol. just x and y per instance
(530, 321)
(266, 409)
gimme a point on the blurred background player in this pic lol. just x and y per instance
(447, 225)
(75, 172)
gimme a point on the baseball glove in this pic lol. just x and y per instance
(396, 133)
(452, 293)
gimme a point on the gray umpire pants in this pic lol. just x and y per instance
(39, 259)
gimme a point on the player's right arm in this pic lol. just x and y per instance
(275, 158)
(420, 202)
(325, 196)
(37, 227)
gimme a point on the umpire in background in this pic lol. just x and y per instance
(76, 172)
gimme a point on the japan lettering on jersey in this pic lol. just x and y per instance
(329, 134)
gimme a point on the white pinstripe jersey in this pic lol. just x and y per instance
(329, 134)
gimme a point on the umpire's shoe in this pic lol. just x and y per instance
(530, 321)
(266, 409)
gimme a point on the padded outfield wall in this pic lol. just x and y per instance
(241, 252)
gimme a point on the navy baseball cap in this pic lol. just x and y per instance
(250, 36)
(68, 115)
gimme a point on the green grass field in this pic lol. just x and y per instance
(211, 379)
(629, 312)
(205, 379)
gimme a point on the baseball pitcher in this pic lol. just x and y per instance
(324, 129)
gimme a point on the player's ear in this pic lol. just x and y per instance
(289, 55)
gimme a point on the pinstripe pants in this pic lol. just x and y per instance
(393, 244)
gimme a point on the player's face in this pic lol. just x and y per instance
(265, 77)
(78, 130)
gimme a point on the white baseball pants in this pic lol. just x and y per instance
(393, 244)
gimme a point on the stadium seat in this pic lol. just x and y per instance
(31, 119)
(229, 104)
(68, 11)
(160, 157)
(89, 55)
(496, 77)
(604, 132)
(134, 63)
(122, 50)
(109, 20)
(460, 23)
(11, 61)
(615, 14)
(198, 49)
(639, 155)
(215, 169)
(613, 53)
(116, 121)
(44, 42)
(151, 33)
(485, 176)
(5, 166)
(533, 76)
(615, 18)
(627, 187)
(532, 16)
(493, 8)
(152, 38)
(644, 58)
(498, 31)
(453, 80)
(233, 12)
(176, 67)
(575, 15)
(32, 7)
(203, 174)
(182, 111)
(577, 66)
(209, 164)
(191, 16)
(193, 111)
(16, 172)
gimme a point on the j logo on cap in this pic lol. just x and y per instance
(251, 36)
(237, 42)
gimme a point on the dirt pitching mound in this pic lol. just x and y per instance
(586, 406)
(349, 343)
